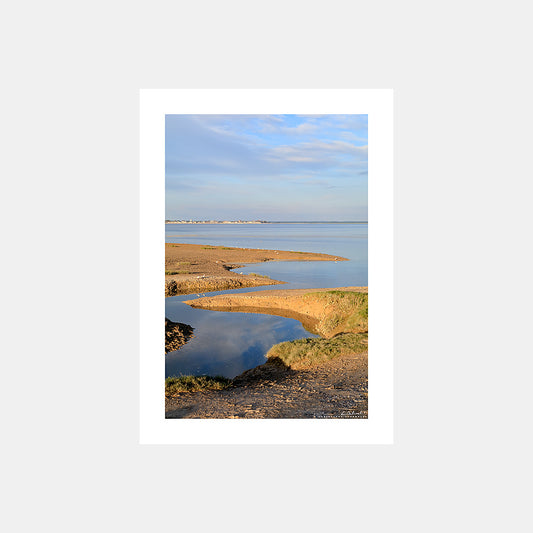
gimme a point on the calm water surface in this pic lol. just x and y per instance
(229, 343)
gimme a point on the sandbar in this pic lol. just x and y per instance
(197, 268)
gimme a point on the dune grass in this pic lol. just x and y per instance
(344, 312)
(303, 353)
(173, 272)
(176, 384)
(259, 275)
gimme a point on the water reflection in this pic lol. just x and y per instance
(309, 275)
(226, 344)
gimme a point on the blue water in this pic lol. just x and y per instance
(229, 343)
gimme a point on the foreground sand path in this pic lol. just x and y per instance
(335, 389)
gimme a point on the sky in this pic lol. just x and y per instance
(266, 167)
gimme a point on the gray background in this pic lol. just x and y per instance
(69, 212)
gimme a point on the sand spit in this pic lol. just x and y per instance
(196, 268)
(306, 305)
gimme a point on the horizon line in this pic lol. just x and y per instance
(186, 221)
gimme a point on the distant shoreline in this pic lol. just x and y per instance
(264, 222)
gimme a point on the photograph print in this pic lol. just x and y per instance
(266, 266)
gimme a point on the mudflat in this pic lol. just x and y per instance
(194, 268)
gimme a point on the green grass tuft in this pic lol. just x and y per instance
(173, 272)
(176, 384)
